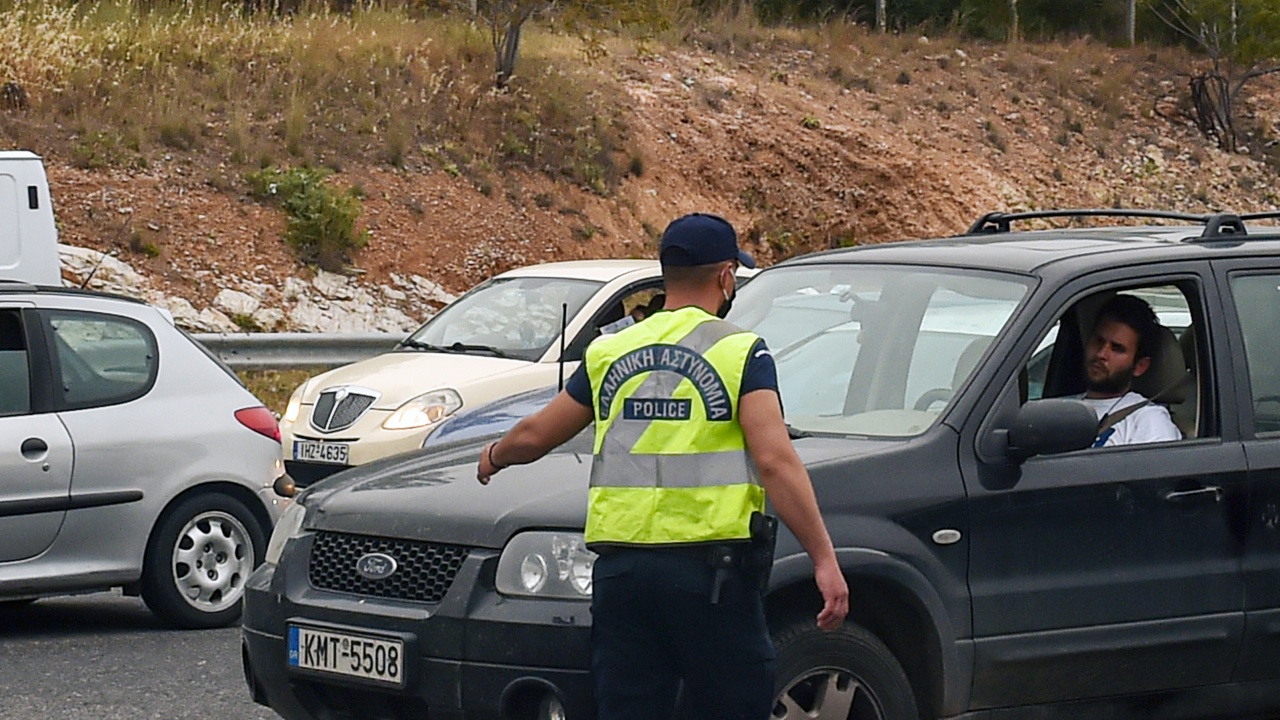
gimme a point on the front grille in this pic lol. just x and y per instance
(424, 570)
(339, 408)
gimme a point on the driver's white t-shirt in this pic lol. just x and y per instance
(1149, 424)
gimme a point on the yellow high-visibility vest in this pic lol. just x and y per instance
(670, 463)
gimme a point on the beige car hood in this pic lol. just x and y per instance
(399, 376)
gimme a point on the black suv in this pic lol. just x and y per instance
(997, 563)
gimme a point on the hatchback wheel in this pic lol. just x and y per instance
(845, 674)
(198, 560)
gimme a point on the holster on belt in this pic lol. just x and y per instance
(758, 561)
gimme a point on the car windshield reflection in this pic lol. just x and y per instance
(875, 350)
(516, 318)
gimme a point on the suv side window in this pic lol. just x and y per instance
(102, 359)
(1257, 301)
(1056, 368)
(15, 375)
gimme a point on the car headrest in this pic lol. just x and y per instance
(1167, 379)
(968, 360)
(1188, 344)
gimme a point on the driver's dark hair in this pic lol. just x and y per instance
(1137, 314)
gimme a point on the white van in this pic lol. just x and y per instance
(28, 236)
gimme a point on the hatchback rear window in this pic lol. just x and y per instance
(102, 359)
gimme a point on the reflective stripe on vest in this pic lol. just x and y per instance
(670, 461)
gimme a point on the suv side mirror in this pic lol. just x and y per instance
(1048, 427)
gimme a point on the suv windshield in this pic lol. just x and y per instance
(875, 350)
(508, 317)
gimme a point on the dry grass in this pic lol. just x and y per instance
(313, 88)
(273, 387)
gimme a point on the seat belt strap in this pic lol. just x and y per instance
(1110, 420)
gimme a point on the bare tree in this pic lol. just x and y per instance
(506, 19)
(882, 21)
(1241, 39)
(1131, 22)
(1014, 32)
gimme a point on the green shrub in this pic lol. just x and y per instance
(322, 220)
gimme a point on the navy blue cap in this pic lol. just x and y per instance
(701, 239)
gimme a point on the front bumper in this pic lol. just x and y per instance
(305, 474)
(476, 654)
(373, 444)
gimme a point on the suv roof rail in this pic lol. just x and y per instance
(1268, 215)
(1217, 226)
(998, 222)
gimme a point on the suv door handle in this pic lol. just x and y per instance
(1183, 497)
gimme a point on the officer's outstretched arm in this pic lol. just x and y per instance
(535, 435)
(788, 486)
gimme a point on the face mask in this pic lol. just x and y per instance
(727, 304)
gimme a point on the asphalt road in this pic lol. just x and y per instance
(105, 657)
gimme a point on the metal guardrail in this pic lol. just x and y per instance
(255, 351)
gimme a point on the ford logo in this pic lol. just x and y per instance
(376, 566)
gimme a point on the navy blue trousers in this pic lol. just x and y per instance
(653, 627)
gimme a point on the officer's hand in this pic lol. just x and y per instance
(835, 595)
(486, 469)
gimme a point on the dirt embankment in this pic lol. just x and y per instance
(798, 151)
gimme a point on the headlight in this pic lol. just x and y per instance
(424, 410)
(289, 527)
(546, 565)
(295, 405)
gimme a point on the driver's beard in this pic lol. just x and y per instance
(1116, 384)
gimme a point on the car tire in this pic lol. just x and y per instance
(198, 560)
(844, 674)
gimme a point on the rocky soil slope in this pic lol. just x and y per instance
(802, 151)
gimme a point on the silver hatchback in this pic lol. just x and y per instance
(129, 457)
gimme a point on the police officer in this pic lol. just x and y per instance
(689, 436)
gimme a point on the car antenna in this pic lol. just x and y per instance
(564, 326)
(101, 258)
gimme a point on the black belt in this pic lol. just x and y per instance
(708, 552)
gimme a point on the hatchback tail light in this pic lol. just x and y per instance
(260, 420)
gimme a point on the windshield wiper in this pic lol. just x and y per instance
(457, 348)
(796, 433)
(419, 345)
(461, 347)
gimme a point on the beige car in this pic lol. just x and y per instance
(501, 338)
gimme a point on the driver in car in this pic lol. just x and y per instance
(1120, 349)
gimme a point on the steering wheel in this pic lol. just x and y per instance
(933, 396)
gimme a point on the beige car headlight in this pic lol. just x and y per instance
(424, 410)
(295, 405)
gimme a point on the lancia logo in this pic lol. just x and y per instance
(376, 566)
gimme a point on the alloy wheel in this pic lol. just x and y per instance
(827, 694)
